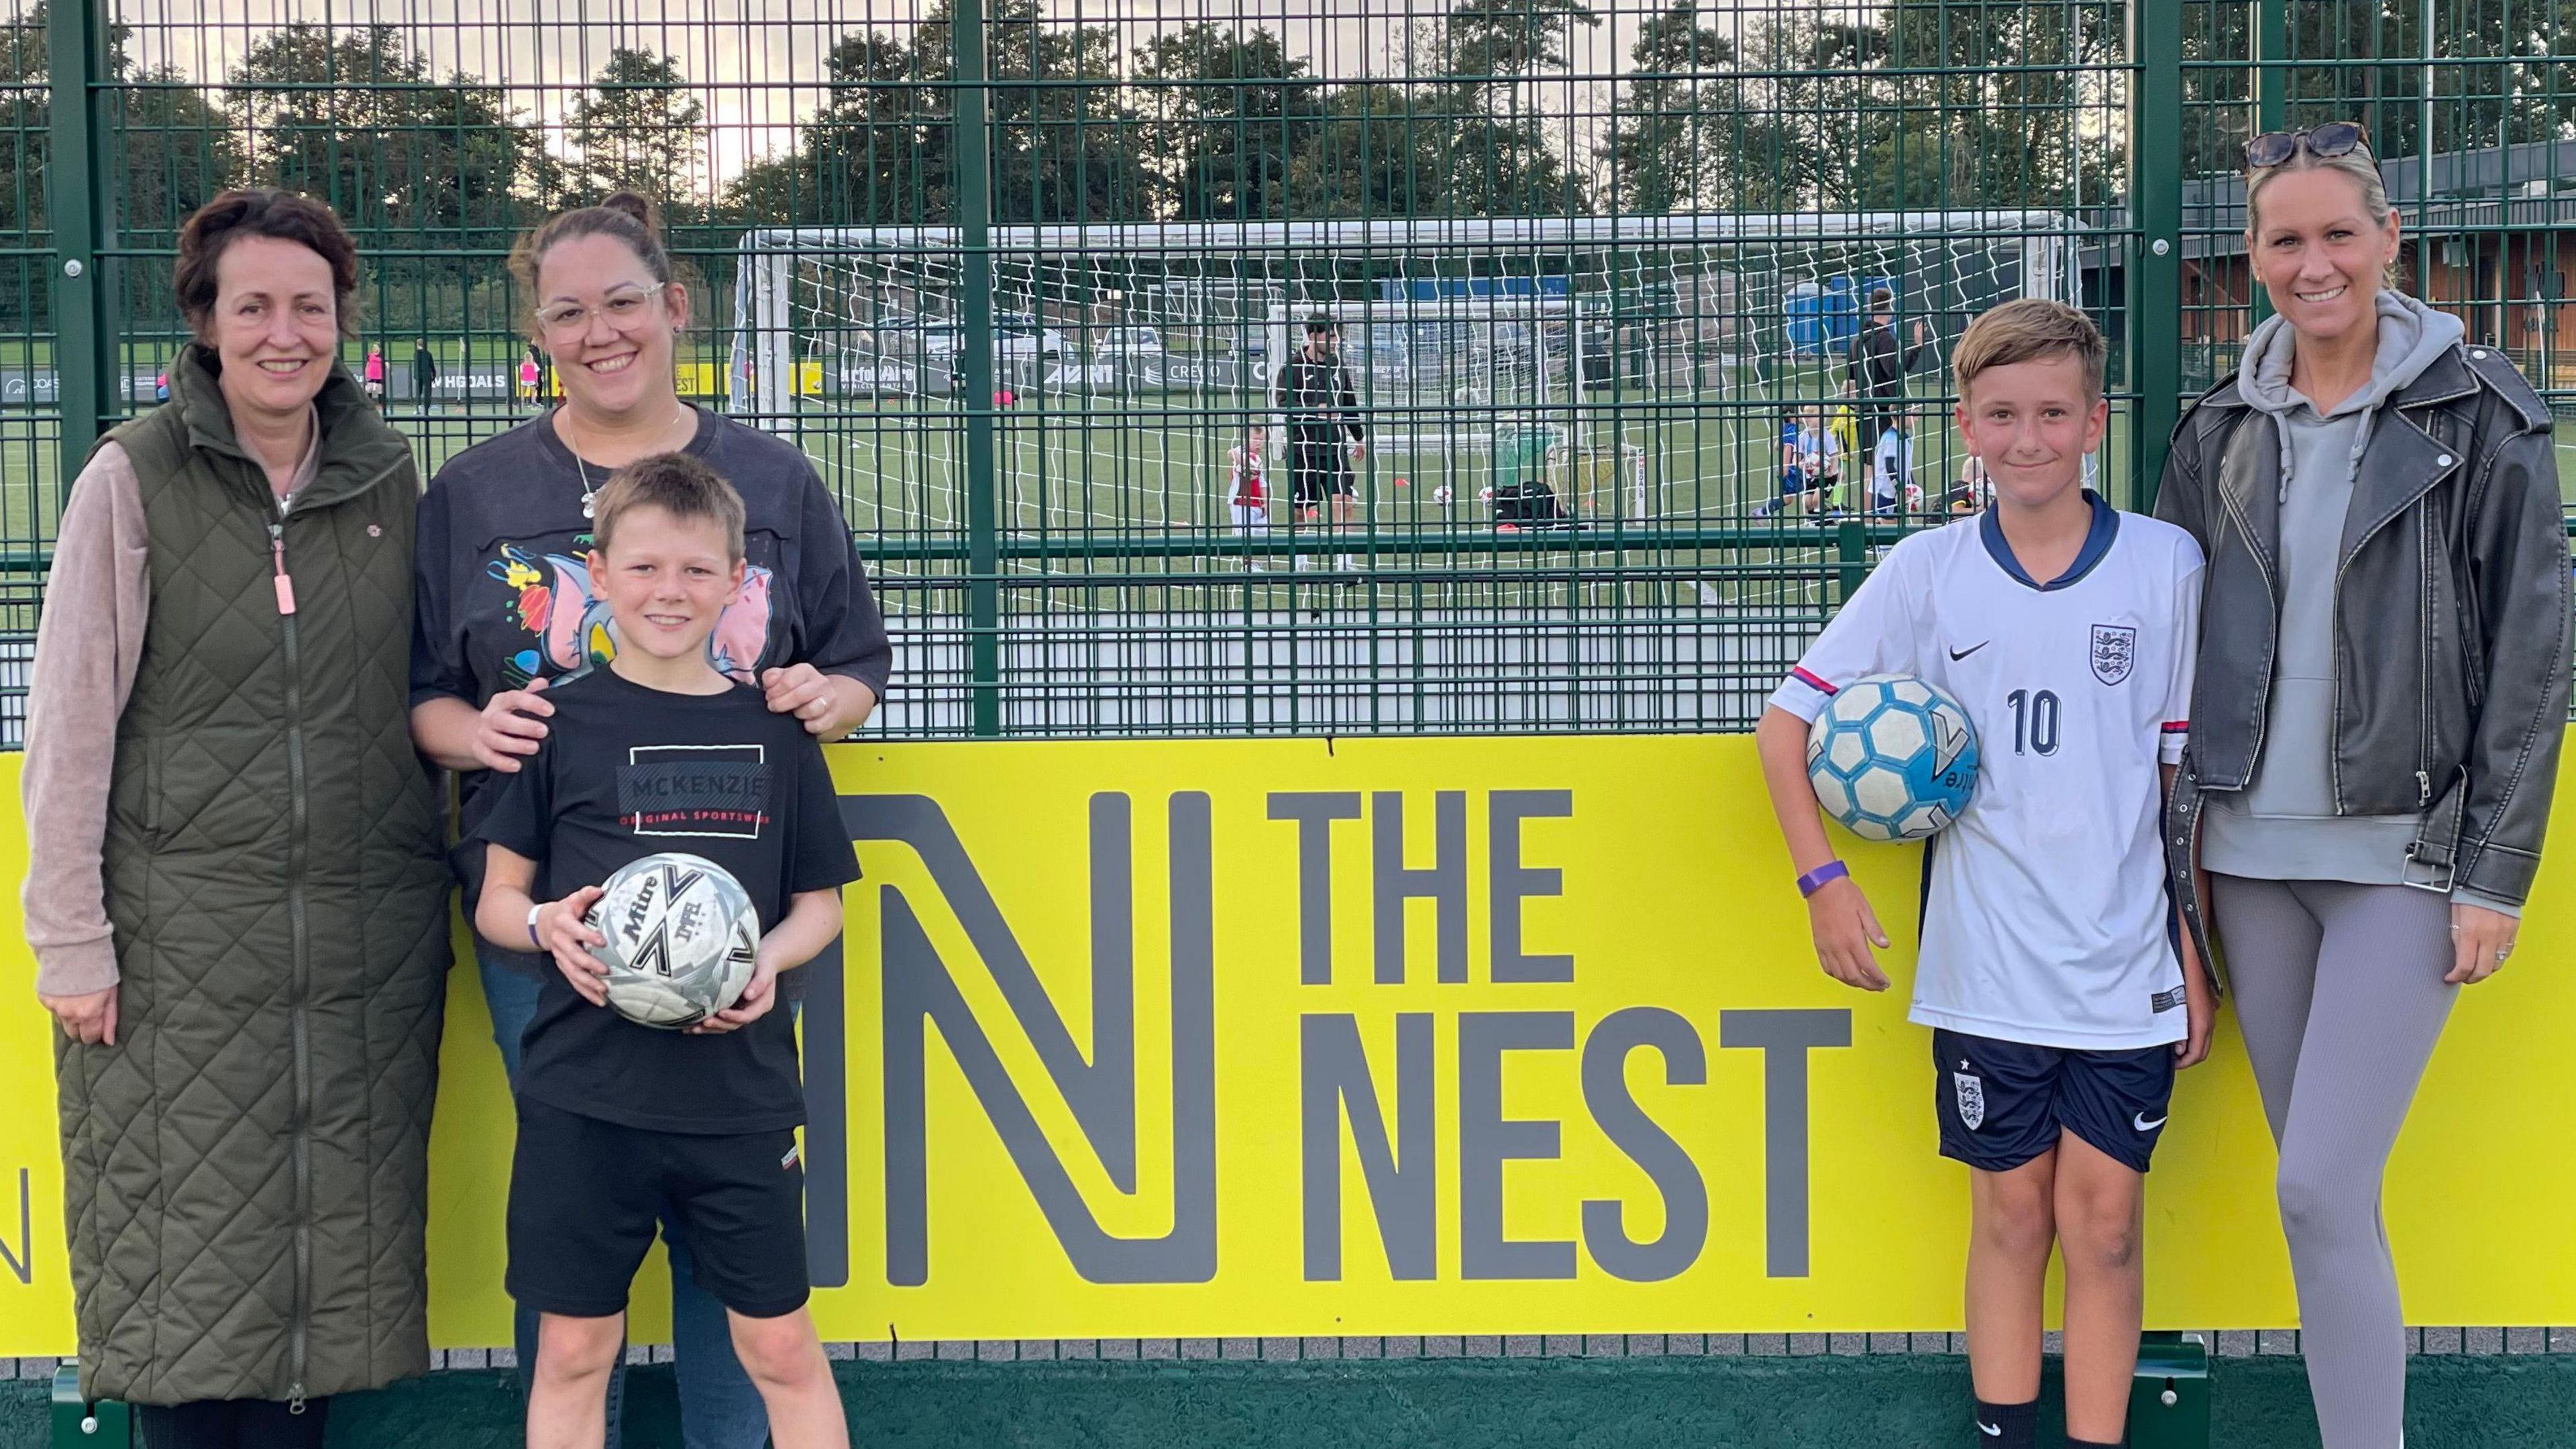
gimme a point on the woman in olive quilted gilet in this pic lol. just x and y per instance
(237, 901)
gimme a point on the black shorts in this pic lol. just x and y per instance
(2003, 1103)
(1316, 471)
(586, 1196)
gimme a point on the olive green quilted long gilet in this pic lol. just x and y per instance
(246, 1170)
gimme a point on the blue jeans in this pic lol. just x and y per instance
(719, 1407)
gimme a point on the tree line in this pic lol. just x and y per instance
(1205, 120)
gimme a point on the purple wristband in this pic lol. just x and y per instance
(1823, 875)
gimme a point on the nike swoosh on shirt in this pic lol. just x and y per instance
(2139, 1120)
(1955, 656)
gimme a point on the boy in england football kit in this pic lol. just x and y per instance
(2044, 917)
(2045, 971)
(2048, 972)
(622, 1126)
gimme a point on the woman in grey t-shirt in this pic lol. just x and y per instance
(504, 608)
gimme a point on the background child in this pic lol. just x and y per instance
(1891, 472)
(622, 1125)
(1973, 491)
(1811, 460)
(1246, 497)
(1793, 477)
(2059, 1007)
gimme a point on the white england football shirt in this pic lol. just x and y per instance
(2045, 910)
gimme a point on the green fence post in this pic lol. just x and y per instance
(2169, 1395)
(2271, 63)
(2271, 59)
(78, 1423)
(1851, 549)
(2155, 257)
(86, 365)
(974, 151)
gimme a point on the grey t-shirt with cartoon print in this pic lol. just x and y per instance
(503, 591)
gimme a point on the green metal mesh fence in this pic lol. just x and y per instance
(1022, 278)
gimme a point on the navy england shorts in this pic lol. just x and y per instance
(2003, 1103)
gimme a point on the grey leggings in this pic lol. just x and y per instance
(2339, 990)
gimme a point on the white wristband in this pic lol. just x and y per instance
(533, 943)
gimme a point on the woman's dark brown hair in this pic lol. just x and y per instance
(621, 214)
(270, 212)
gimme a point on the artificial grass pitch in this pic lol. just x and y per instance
(1766, 1403)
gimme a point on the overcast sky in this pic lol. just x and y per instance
(760, 60)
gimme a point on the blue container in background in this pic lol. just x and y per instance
(1821, 318)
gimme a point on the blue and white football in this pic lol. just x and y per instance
(1892, 758)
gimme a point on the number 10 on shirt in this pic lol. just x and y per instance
(2034, 721)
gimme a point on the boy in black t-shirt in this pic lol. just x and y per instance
(621, 1125)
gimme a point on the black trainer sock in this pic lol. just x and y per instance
(2008, 1426)
(2074, 1443)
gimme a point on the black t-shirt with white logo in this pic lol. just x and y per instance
(626, 772)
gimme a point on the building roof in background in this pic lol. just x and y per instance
(2527, 186)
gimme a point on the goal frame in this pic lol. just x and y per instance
(763, 363)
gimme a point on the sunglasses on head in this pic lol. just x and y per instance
(2334, 138)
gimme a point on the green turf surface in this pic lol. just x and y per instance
(1718, 1403)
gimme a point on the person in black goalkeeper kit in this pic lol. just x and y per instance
(1314, 389)
(1878, 365)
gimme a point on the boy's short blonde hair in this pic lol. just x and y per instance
(679, 484)
(2026, 330)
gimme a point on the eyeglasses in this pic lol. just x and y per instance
(2334, 138)
(623, 310)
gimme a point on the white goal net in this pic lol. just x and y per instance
(1642, 365)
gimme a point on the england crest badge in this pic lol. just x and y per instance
(1972, 1100)
(2115, 652)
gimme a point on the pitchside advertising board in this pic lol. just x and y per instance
(1404, 1037)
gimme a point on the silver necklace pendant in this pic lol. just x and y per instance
(589, 493)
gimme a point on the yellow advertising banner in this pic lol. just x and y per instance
(1237, 1038)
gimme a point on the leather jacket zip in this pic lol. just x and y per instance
(2271, 645)
(2334, 752)
(2424, 679)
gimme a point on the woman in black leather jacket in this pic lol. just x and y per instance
(2376, 721)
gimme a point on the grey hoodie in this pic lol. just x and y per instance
(2284, 826)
